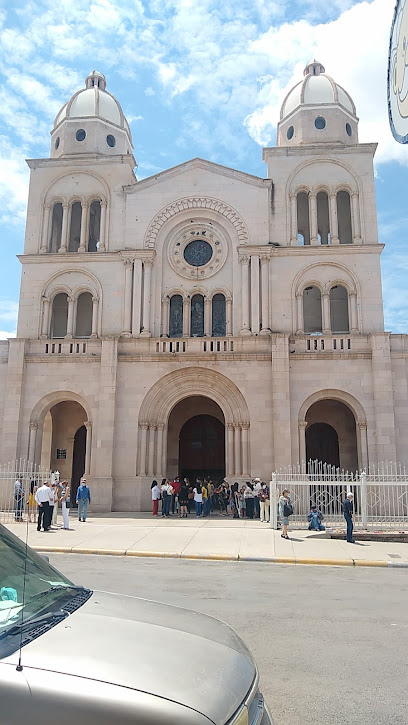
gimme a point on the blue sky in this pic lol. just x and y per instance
(195, 78)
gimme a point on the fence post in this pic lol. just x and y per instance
(363, 479)
(273, 513)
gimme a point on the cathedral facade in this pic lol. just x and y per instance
(202, 321)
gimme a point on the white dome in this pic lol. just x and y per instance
(317, 88)
(94, 101)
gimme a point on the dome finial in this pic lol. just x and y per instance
(95, 80)
(314, 68)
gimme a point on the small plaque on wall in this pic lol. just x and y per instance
(61, 452)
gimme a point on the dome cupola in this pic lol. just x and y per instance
(317, 111)
(92, 122)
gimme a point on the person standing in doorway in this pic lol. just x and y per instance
(83, 498)
(42, 497)
(19, 495)
(348, 515)
(156, 496)
(65, 503)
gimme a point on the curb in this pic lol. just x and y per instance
(223, 557)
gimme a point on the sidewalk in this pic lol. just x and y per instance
(215, 538)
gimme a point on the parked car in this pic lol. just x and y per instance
(73, 656)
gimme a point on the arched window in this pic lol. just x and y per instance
(83, 326)
(339, 316)
(75, 227)
(59, 316)
(94, 226)
(56, 228)
(176, 316)
(302, 201)
(312, 310)
(323, 223)
(344, 217)
(197, 316)
(219, 319)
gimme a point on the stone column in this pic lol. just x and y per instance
(293, 221)
(353, 312)
(104, 426)
(356, 218)
(302, 425)
(245, 452)
(32, 441)
(13, 389)
(362, 429)
(137, 297)
(313, 219)
(237, 449)
(84, 227)
(45, 328)
(228, 306)
(299, 313)
(334, 226)
(152, 447)
(230, 449)
(207, 317)
(94, 332)
(88, 449)
(281, 421)
(265, 329)
(127, 310)
(45, 230)
(70, 320)
(147, 264)
(244, 261)
(143, 444)
(64, 229)
(165, 316)
(383, 391)
(159, 450)
(102, 229)
(186, 317)
(255, 293)
(326, 312)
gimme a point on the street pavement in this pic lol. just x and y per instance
(216, 538)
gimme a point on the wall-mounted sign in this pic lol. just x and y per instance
(61, 452)
(398, 73)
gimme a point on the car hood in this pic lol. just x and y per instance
(163, 650)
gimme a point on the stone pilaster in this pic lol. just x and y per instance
(383, 396)
(13, 400)
(102, 466)
(281, 402)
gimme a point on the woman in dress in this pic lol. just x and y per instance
(65, 503)
(183, 499)
(283, 500)
(155, 497)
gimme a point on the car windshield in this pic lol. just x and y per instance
(29, 586)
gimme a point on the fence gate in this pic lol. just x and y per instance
(380, 494)
(15, 502)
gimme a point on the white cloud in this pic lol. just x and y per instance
(14, 178)
(8, 310)
(4, 335)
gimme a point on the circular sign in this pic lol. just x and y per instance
(397, 86)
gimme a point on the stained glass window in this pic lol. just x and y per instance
(176, 316)
(198, 253)
(197, 316)
(218, 316)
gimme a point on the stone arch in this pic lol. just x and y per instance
(186, 382)
(45, 404)
(48, 287)
(188, 203)
(350, 280)
(333, 394)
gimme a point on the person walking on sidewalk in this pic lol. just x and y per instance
(156, 496)
(348, 515)
(83, 497)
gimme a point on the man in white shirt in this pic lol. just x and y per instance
(43, 497)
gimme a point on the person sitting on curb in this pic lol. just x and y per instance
(315, 518)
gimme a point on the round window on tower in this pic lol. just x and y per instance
(290, 132)
(111, 140)
(320, 122)
(57, 142)
(198, 253)
(348, 129)
(80, 134)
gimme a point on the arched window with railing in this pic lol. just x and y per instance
(56, 228)
(312, 310)
(344, 217)
(339, 313)
(197, 316)
(176, 316)
(83, 325)
(219, 317)
(59, 317)
(94, 226)
(303, 220)
(75, 226)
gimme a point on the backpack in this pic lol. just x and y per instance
(287, 509)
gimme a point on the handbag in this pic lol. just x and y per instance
(287, 510)
(191, 495)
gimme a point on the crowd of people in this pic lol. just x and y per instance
(44, 501)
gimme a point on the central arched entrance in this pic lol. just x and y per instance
(196, 439)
